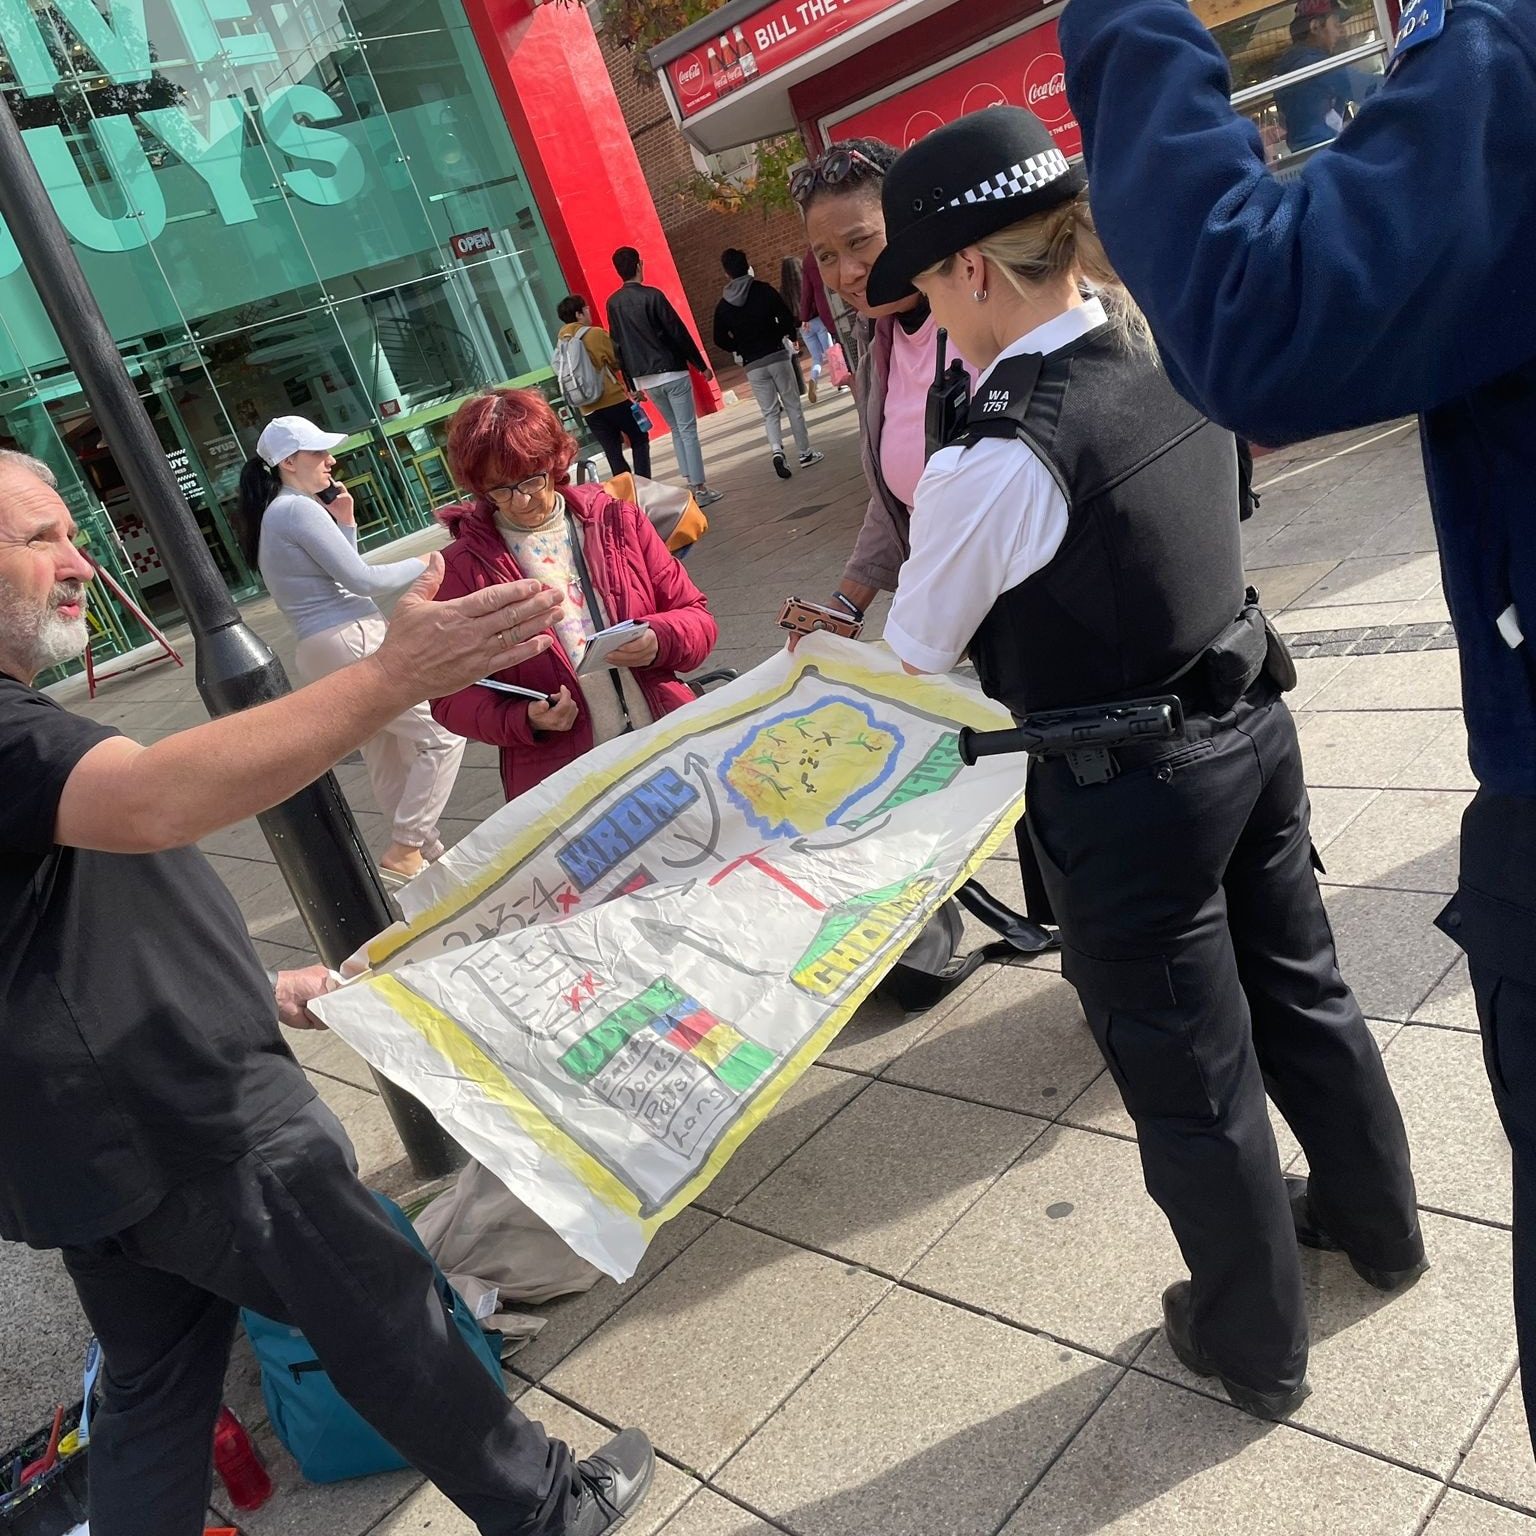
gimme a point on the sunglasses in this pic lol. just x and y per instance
(835, 167)
(525, 488)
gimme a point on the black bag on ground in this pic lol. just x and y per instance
(931, 966)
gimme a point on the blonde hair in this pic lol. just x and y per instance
(1064, 242)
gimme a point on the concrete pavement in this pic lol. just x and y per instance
(923, 1298)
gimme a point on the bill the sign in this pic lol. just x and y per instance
(1026, 71)
(766, 41)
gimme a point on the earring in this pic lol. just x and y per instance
(980, 296)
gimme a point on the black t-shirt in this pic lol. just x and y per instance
(138, 1039)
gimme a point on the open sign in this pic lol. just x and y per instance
(476, 242)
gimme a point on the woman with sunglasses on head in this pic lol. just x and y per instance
(839, 198)
(300, 530)
(1079, 540)
(526, 519)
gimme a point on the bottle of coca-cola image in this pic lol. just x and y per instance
(744, 55)
(716, 75)
(727, 51)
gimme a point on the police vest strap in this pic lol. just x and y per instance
(1000, 408)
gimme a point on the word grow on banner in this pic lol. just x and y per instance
(604, 988)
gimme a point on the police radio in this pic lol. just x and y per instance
(949, 396)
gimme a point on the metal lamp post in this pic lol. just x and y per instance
(312, 836)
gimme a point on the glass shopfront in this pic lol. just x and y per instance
(282, 206)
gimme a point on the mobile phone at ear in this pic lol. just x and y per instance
(330, 493)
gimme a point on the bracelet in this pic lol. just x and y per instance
(850, 605)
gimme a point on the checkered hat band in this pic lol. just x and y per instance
(1028, 176)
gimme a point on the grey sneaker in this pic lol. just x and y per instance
(811, 457)
(706, 497)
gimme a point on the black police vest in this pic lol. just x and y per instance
(1150, 570)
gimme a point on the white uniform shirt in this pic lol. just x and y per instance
(985, 518)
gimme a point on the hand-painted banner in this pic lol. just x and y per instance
(1026, 71)
(605, 987)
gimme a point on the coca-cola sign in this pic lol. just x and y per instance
(690, 75)
(1025, 71)
(1045, 88)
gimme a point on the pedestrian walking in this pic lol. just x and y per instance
(655, 351)
(301, 532)
(604, 559)
(1399, 279)
(802, 290)
(153, 1124)
(1180, 871)
(592, 381)
(753, 323)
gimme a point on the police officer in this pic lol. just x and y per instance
(1080, 539)
(1392, 277)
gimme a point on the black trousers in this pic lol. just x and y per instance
(612, 427)
(1493, 917)
(1194, 932)
(289, 1231)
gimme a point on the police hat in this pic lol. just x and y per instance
(965, 181)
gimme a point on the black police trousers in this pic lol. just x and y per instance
(290, 1232)
(1493, 917)
(1194, 932)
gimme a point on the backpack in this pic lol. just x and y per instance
(580, 380)
(323, 1432)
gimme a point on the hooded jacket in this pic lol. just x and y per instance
(636, 578)
(754, 322)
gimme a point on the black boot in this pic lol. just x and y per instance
(614, 1479)
(1310, 1234)
(1262, 1405)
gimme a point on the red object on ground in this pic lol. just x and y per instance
(549, 75)
(50, 1456)
(239, 1464)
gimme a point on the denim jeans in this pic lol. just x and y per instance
(675, 402)
(816, 338)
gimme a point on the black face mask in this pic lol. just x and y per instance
(913, 320)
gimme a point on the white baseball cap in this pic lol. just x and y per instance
(293, 434)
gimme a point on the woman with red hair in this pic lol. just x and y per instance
(602, 555)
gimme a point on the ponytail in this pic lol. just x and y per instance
(259, 485)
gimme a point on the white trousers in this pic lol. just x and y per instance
(413, 761)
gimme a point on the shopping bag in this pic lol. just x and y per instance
(838, 371)
(672, 509)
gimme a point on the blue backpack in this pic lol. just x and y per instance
(323, 1432)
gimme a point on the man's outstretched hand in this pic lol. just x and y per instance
(296, 990)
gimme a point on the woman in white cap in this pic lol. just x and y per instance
(300, 529)
(1078, 538)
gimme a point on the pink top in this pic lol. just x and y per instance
(902, 445)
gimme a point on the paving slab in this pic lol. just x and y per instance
(707, 1514)
(1159, 1461)
(1410, 1376)
(429, 1513)
(1365, 748)
(1500, 1462)
(887, 1176)
(1460, 1152)
(707, 1351)
(925, 1421)
(1375, 579)
(880, 1031)
(1443, 763)
(819, 1095)
(1280, 585)
(1334, 809)
(1452, 1003)
(1405, 839)
(1303, 618)
(1019, 1042)
(1074, 1205)
(1390, 952)
(1405, 680)
(1460, 1515)
(573, 1318)
(1313, 675)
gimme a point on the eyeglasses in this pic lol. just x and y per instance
(834, 167)
(527, 489)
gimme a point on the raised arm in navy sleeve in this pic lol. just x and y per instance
(1392, 276)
